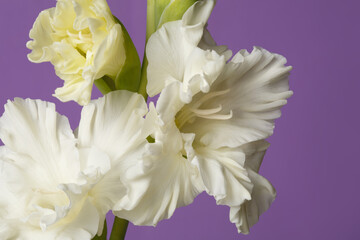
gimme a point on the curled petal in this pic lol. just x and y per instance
(75, 88)
(41, 33)
(208, 43)
(263, 193)
(195, 20)
(224, 175)
(246, 215)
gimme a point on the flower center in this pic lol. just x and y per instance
(81, 40)
(194, 110)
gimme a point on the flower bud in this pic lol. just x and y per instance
(162, 11)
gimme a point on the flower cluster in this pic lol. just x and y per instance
(207, 132)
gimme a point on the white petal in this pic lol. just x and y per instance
(257, 87)
(224, 175)
(85, 216)
(202, 69)
(169, 102)
(116, 189)
(6, 231)
(94, 161)
(12, 185)
(114, 124)
(195, 20)
(255, 152)
(263, 193)
(207, 42)
(83, 227)
(33, 129)
(246, 215)
(167, 52)
(172, 182)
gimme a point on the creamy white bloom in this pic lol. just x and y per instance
(55, 185)
(223, 108)
(83, 41)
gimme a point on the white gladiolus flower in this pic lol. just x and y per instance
(218, 111)
(55, 185)
(83, 41)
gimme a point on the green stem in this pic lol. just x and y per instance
(119, 229)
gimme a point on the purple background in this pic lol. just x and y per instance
(313, 161)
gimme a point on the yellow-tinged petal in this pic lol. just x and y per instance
(84, 43)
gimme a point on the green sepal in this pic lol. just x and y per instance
(163, 11)
(175, 11)
(105, 84)
(155, 9)
(103, 235)
(160, 5)
(129, 76)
